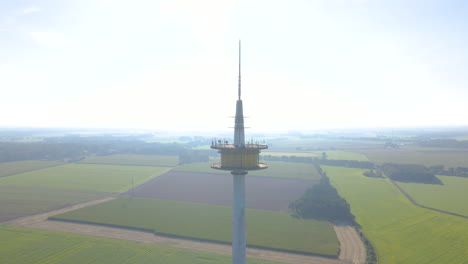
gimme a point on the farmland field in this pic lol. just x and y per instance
(101, 178)
(144, 160)
(201, 167)
(449, 158)
(212, 222)
(400, 231)
(320, 144)
(452, 196)
(21, 201)
(24, 245)
(261, 193)
(343, 155)
(14, 167)
(331, 154)
(276, 169)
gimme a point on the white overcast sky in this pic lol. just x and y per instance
(172, 65)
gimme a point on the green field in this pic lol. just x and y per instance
(90, 177)
(148, 160)
(24, 245)
(448, 158)
(211, 222)
(21, 201)
(331, 154)
(400, 232)
(203, 167)
(276, 169)
(203, 147)
(452, 196)
(297, 154)
(14, 167)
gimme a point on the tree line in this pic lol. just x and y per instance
(457, 171)
(409, 173)
(444, 143)
(322, 202)
(322, 161)
(190, 155)
(74, 148)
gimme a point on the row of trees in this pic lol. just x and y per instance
(322, 202)
(189, 156)
(444, 143)
(73, 148)
(417, 173)
(348, 163)
(457, 171)
(322, 161)
(288, 158)
(409, 173)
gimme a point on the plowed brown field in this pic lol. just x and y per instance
(261, 192)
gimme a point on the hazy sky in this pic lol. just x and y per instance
(172, 65)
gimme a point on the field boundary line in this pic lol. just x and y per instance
(411, 199)
(12, 174)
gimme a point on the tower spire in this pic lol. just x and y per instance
(239, 139)
(239, 83)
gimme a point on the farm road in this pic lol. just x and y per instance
(28, 220)
(349, 240)
(351, 252)
(150, 238)
(351, 247)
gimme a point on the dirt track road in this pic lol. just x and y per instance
(352, 249)
(25, 221)
(150, 238)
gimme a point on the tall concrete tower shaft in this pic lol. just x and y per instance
(239, 137)
(238, 158)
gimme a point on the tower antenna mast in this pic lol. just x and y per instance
(239, 83)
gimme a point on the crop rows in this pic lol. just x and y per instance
(277, 230)
(20, 201)
(23, 245)
(89, 177)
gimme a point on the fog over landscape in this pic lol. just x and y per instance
(172, 65)
(123, 132)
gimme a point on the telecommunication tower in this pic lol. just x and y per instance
(238, 158)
